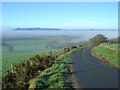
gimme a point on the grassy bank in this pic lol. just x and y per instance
(107, 54)
(117, 46)
(55, 76)
(114, 46)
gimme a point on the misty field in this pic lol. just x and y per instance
(15, 51)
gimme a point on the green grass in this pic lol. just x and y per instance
(110, 55)
(16, 51)
(115, 45)
(17, 58)
(55, 76)
(9, 59)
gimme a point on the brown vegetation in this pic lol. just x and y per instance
(21, 74)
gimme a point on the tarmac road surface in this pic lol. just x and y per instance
(91, 72)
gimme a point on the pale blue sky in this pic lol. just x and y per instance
(61, 15)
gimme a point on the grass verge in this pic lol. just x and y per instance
(111, 56)
(55, 76)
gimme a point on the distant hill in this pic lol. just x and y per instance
(37, 29)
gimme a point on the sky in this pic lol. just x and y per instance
(83, 15)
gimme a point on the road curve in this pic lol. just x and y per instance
(91, 72)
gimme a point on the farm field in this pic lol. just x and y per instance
(114, 46)
(15, 51)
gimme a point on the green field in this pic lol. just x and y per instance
(115, 45)
(15, 51)
(17, 58)
(108, 54)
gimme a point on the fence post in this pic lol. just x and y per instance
(12, 68)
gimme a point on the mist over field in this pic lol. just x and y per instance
(22, 41)
(76, 35)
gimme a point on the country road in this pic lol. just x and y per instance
(91, 72)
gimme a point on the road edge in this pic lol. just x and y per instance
(72, 78)
(104, 60)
